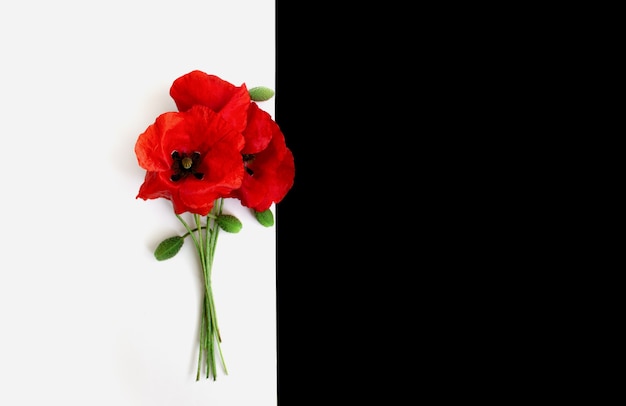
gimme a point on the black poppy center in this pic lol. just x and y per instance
(248, 158)
(185, 164)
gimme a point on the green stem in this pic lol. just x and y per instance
(205, 244)
(190, 231)
(202, 340)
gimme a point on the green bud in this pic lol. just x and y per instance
(168, 248)
(266, 217)
(261, 93)
(229, 223)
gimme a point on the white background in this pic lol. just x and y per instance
(87, 315)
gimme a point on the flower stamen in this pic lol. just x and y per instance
(184, 165)
(248, 158)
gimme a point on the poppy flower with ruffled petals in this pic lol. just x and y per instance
(219, 144)
(197, 87)
(191, 158)
(269, 164)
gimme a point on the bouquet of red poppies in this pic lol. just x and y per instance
(219, 145)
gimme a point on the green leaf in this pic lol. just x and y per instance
(229, 223)
(266, 217)
(168, 248)
(261, 93)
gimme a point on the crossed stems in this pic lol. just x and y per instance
(205, 243)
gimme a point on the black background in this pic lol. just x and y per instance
(307, 372)
(329, 327)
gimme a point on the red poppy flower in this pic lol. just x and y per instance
(197, 87)
(192, 158)
(269, 164)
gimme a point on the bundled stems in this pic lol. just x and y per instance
(205, 240)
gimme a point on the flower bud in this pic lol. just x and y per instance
(229, 223)
(261, 93)
(266, 218)
(168, 248)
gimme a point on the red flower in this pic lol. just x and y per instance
(197, 87)
(269, 164)
(192, 158)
